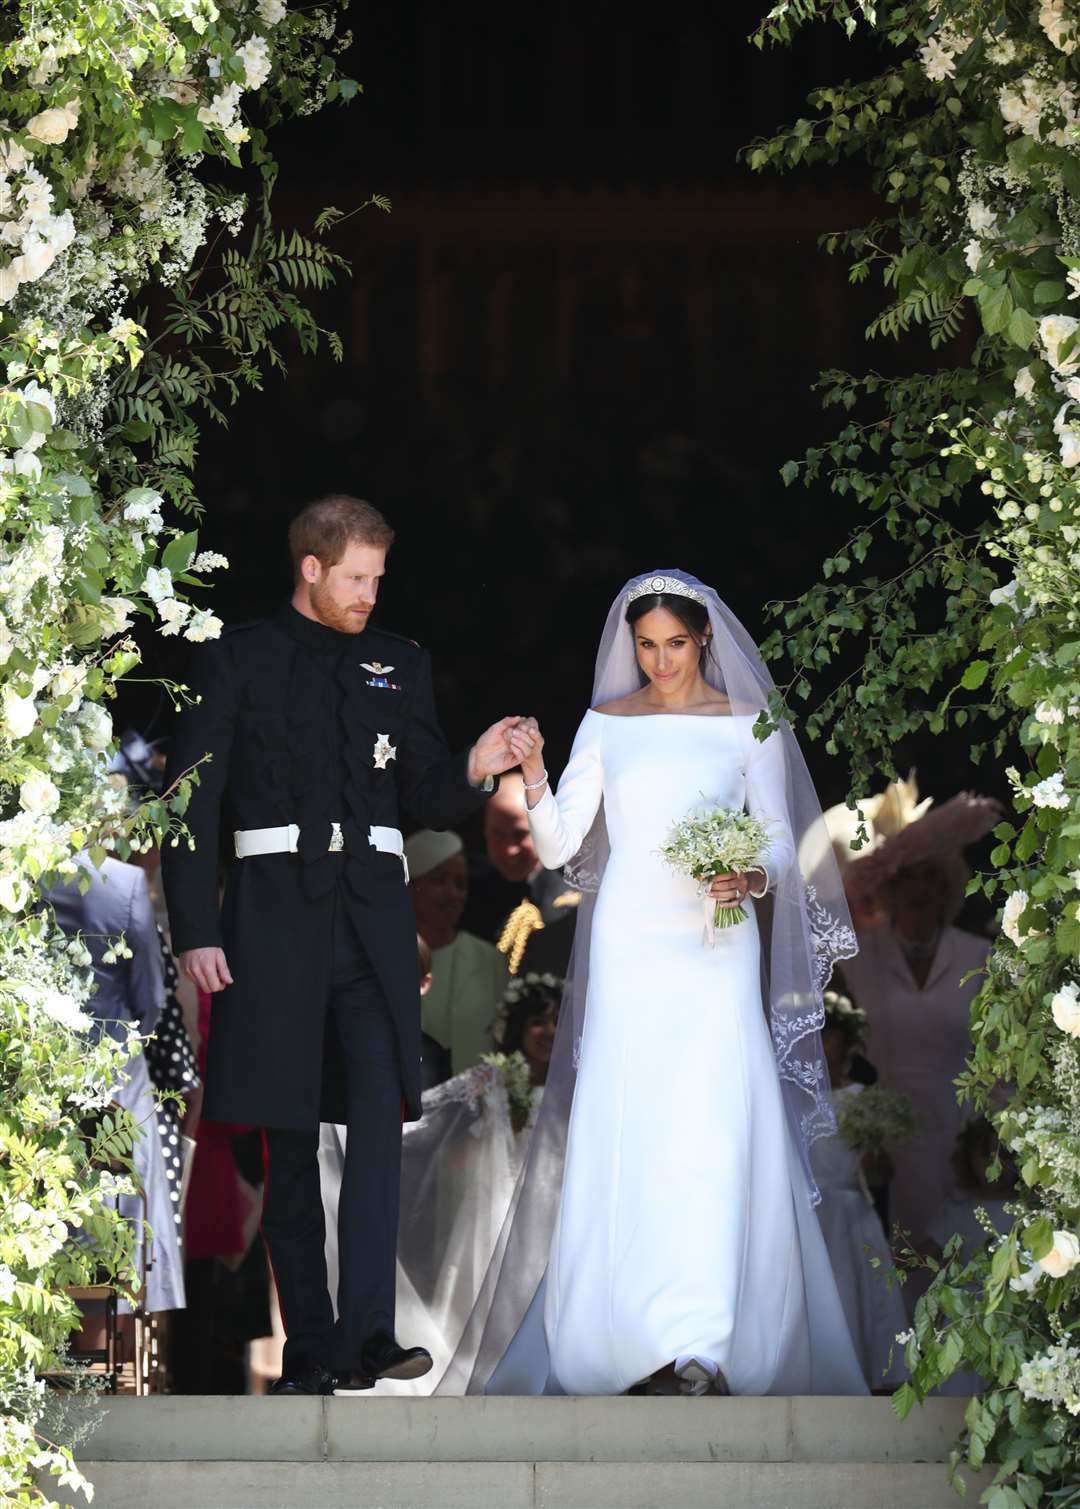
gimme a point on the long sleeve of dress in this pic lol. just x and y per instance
(560, 822)
(766, 798)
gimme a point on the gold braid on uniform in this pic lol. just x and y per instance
(522, 922)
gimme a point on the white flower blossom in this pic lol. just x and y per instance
(1061, 29)
(1048, 714)
(53, 126)
(1010, 917)
(19, 714)
(96, 726)
(209, 560)
(14, 890)
(117, 616)
(1051, 792)
(1054, 331)
(255, 56)
(1065, 1009)
(203, 626)
(38, 795)
(983, 221)
(1063, 1255)
(173, 614)
(271, 12)
(1006, 594)
(1027, 1281)
(158, 584)
(143, 506)
(1024, 383)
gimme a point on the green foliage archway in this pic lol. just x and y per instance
(120, 124)
(972, 133)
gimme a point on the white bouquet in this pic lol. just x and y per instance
(875, 1120)
(721, 842)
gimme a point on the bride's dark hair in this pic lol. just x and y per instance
(693, 616)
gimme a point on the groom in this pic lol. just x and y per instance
(321, 730)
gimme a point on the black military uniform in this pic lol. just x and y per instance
(333, 734)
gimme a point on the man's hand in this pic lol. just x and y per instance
(207, 967)
(492, 753)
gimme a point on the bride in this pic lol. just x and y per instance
(680, 1250)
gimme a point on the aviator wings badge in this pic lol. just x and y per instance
(384, 751)
(379, 675)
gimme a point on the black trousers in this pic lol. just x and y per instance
(292, 1223)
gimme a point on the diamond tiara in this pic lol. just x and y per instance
(657, 586)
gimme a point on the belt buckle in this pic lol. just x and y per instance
(337, 839)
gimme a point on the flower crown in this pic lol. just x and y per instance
(522, 986)
(659, 586)
(841, 1011)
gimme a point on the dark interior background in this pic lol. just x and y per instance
(580, 347)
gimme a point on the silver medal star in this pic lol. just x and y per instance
(384, 751)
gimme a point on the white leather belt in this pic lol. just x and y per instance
(250, 842)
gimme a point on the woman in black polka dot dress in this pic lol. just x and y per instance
(171, 1061)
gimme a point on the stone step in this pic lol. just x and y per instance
(373, 1429)
(521, 1485)
(386, 1453)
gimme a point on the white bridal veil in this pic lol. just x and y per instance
(805, 929)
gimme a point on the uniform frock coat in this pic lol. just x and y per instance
(291, 713)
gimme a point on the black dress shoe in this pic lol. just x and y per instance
(383, 1358)
(304, 1378)
(352, 1382)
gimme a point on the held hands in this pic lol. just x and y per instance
(733, 889)
(492, 754)
(527, 743)
(207, 967)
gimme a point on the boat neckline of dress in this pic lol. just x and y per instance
(712, 717)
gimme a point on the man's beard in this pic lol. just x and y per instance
(327, 612)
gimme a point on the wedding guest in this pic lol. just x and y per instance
(917, 974)
(849, 1223)
(468, 975)
(130, 989)
(513, 899)
(528, 1021)
(973, 1193)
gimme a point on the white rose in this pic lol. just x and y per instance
(14, 890)
(51, 127)
(158, 584)
(19, 714)
(1060, 30)
(1024, 383)
(38, 795)
(95, 725)
(1063, 1255)
(173, 614)
(7, 641)
(9, 283)
(1010, 917)
(1065, 1009)
(271, 11)
(973, 255)
(26, 464)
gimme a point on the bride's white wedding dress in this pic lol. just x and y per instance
(685, 1226)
